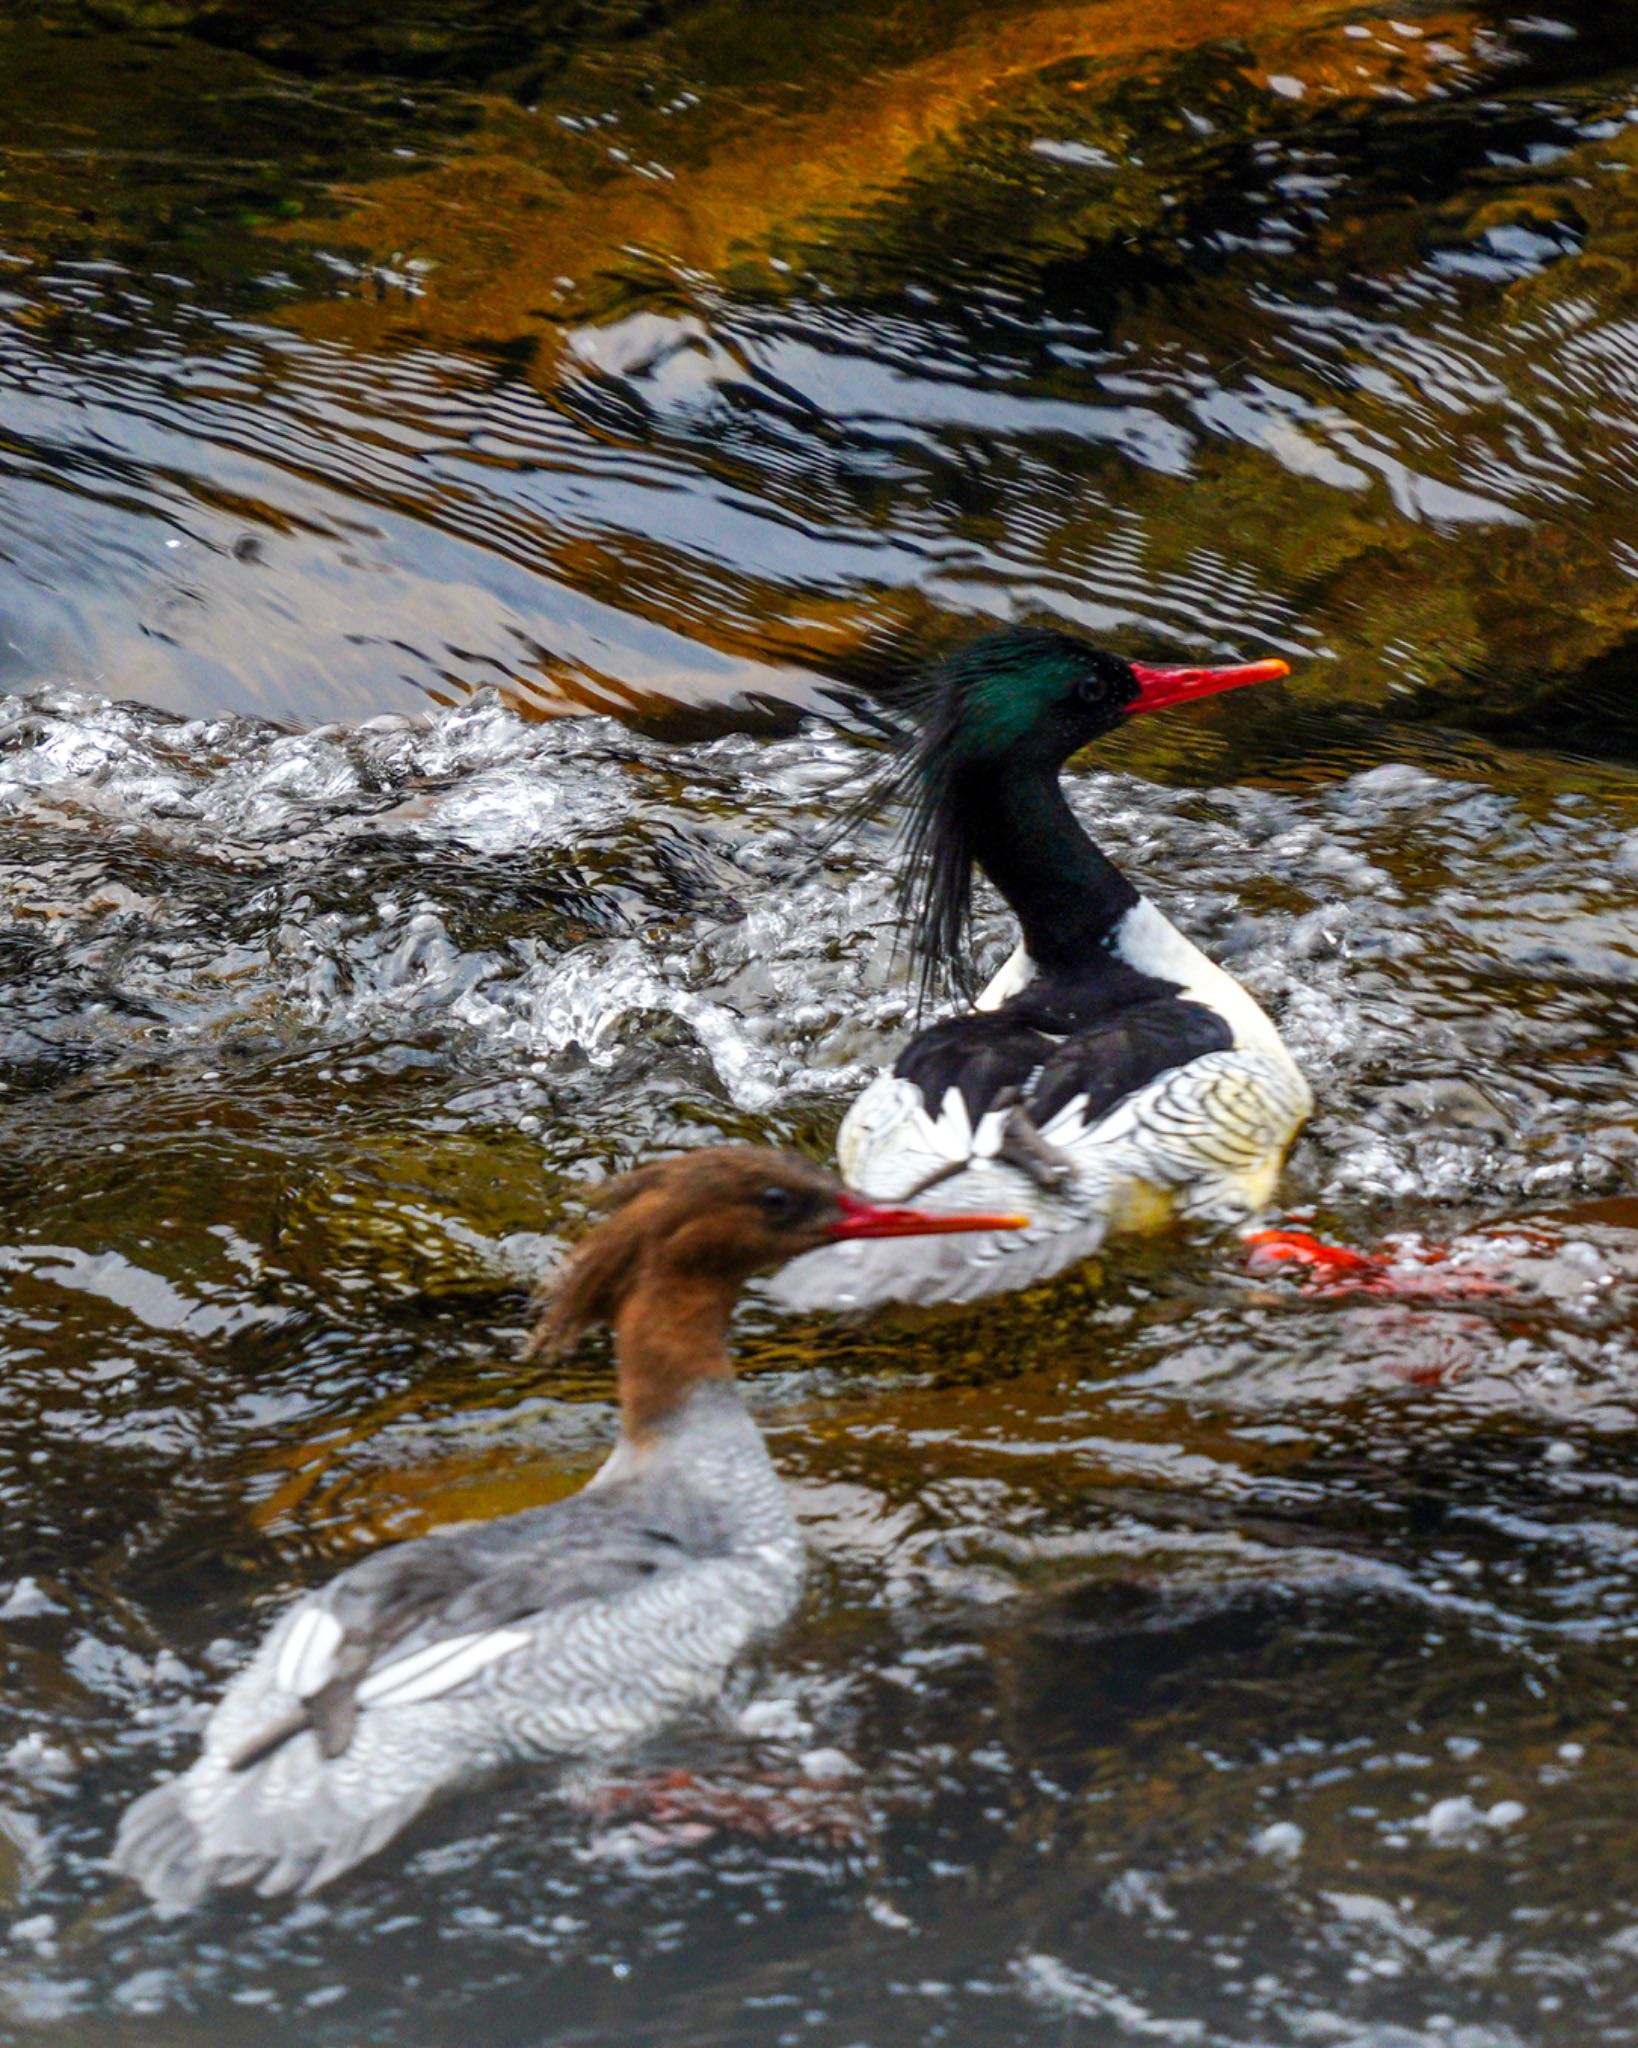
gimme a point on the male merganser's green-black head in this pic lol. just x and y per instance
(1030, 693)
(1024, 694)
(993, 725)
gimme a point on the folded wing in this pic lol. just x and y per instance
(374, 1694)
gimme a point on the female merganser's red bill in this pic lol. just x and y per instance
(871, 1219)
(1160, 688)
(1111, 1076)
(570, 1630)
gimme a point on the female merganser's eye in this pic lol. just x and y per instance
(777, 1204)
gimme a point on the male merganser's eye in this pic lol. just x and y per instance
(777, 1204)
(1091, 691)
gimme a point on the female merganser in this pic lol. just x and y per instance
(1110, 1075)
(564, 1631)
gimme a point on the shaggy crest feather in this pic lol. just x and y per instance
(969, 710)
(586, 1289)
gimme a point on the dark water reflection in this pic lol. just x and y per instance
(701, 355)
(1189, 1660)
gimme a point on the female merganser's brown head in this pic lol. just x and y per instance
(681, 1239)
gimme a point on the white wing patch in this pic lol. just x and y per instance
(889, 1146)
(439, 1668)
(305, 1661)
(888, 1142)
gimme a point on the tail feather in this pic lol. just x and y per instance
(290, 1823)
(160, 1847)
(364, 1842)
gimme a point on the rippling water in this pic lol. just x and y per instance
(688, 363)
(1190, 1658)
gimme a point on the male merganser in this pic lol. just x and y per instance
(1110, 1076)
(564, 1631)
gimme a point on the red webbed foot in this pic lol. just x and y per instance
(679, 1807)
(1417, 1270)
(1325, 1262)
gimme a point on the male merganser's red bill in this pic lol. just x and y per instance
(871, 1219)
(1160, 688)
(1110, 1077)
(571, 1630)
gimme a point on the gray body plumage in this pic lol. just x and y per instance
(567, 1631)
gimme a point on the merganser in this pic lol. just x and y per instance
(565, 1631)
(1110, 1076)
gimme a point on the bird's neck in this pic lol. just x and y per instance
(670, 1335)
(1067, 896)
